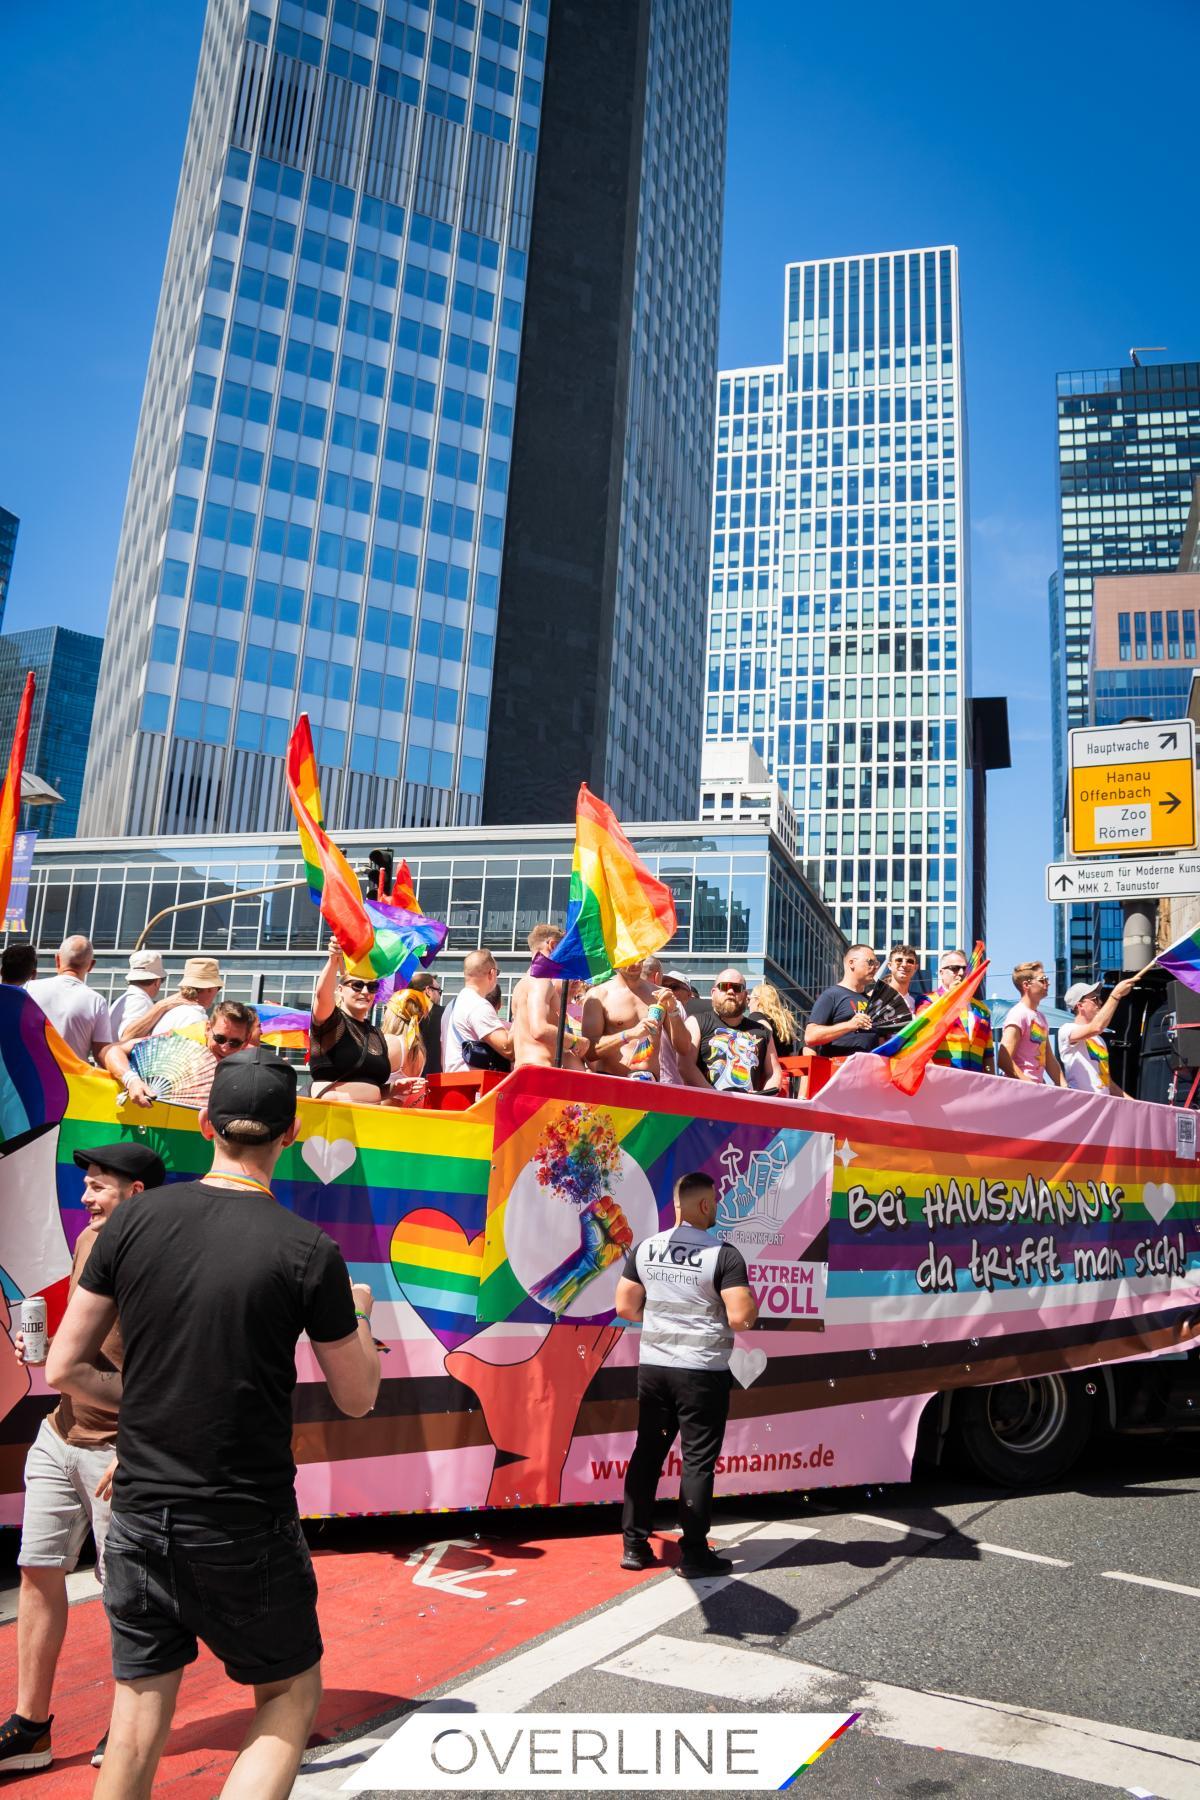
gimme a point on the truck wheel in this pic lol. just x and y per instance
(1023, 1433)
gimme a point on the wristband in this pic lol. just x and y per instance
(362, 1315)
(127, 1077)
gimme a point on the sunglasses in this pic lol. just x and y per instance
(232, 1043)
(731, 987)
(361, 987)
(954, 968)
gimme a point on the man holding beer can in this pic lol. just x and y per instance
(68, 1473)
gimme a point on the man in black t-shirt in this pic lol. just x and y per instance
(735, 1050)
(214, 1283)
(840, 1023)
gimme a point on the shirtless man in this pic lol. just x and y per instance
(536, 1004)
(615, 1024)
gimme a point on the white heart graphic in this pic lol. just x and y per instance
(747, 1365)
(1158, 1197)
(328, 1157)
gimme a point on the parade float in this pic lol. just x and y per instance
(901, 1247)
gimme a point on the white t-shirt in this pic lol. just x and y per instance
(78, 1014)
(186, 1013)
(1030, 1053)
(1084, 1062)
(132, 1005)
(471, 1016)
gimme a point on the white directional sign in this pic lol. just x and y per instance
(1144, 878)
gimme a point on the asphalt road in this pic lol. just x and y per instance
(995, 1645)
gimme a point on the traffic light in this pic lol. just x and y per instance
(381, 862)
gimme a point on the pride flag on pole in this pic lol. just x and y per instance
(404, 894)
(1182, 960)
(617, 912)
(10, 795)
(332, 883)
(911, 1048)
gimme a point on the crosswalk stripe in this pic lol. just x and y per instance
(1086, 1749)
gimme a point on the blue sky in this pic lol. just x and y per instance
(1050, 143)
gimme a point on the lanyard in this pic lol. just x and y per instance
(246, 1181)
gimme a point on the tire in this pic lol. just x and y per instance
(1023, 1433)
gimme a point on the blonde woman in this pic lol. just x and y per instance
(771, 1007)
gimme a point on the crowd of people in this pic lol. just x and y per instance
(643, 1023)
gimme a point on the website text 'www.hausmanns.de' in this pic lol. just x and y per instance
(821, 1457)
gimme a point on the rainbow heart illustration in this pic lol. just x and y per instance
(437, 1268)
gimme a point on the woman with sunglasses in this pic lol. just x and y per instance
(349, 1058)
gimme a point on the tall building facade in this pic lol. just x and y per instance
(317, 511)
(839, 614)
(600, 653)
(1128, 458)
(9, 526)
(66, 669)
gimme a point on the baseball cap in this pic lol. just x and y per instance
(137, 1161)
(201, 972)
(145, 965)
(680, 977)
(253, 1084)
(1080, 991)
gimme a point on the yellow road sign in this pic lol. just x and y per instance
(1133, 788)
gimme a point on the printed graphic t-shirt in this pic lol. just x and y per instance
(1030, 1053)
(733, 1057)
(684, 1272)
(834, 1005)
(1084, 1062)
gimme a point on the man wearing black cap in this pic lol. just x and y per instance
(67, 1478)
(214, 1282)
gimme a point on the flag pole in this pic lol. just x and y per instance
(1145, 971)
(562, 1024)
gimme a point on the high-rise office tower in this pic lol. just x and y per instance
(1128, 458)
(838, 632)
(66, 667)
(316, 515)
(9, 526)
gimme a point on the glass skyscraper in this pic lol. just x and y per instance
(839, 620)
(66, 668)
(316, 516)
(9, 526)
(1128, 458)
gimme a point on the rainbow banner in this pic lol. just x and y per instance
(284, 1027)
(911, 1049)
(10, 794)
(617, 913)
(1182, 960)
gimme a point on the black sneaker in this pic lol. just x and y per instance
(640, 1557)
(24, 1746)
(704, 1562)
(98, 1752)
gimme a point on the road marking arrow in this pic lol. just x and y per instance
(1170, 803)
(451, 1581)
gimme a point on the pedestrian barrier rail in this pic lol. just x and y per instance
(980, 1231)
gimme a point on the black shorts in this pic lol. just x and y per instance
(247, 1591)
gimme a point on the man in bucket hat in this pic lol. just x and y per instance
(199, 988)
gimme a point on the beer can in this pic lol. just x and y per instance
(33, 1328)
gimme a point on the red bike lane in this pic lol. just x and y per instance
(398, 1621)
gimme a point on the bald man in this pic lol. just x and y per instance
(473, 1019)
(81, 1017)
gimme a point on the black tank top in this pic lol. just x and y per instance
(340, 1049)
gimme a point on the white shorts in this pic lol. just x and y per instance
(61, 1504)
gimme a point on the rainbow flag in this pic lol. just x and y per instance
(10, 795)
(331, 881)
(283, 1027)
(404, 894)
(406, 940)
(969, 1040)
(1182, 960)
(617, 912)
(911, 1048)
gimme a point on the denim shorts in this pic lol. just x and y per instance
(247, 1591)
